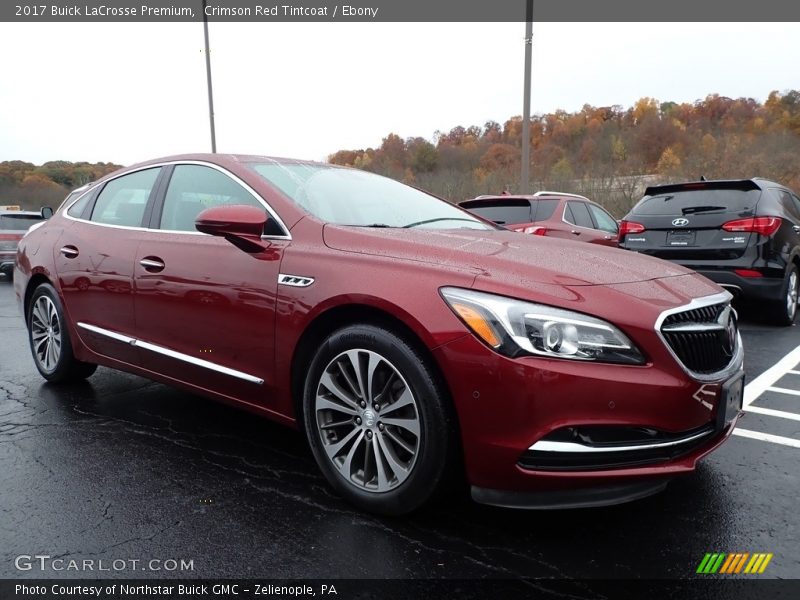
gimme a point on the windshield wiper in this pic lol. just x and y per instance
(439, 219)
(378, 225)
(689, 210)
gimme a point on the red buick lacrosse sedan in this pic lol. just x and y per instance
(411, 341)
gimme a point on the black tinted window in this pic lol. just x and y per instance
(578, 214)
(194, 188)
(696, 201)
(504, 213)
(18, 222)
(543, 209)
(123, 200)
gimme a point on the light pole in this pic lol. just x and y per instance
(526, 107)
(208, 79)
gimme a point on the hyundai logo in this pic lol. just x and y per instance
(680, 222)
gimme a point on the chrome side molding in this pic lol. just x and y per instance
(199, 362)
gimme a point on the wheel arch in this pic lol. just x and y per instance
(340, 316)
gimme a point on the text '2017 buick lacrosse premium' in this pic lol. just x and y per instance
(409, 339)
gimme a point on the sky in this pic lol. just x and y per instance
(127, 92)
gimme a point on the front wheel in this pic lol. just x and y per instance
(49, 339)
(786, 307)
(378, 420)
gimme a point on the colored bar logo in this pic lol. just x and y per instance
(734, 564)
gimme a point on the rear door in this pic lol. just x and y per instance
(580, 225)
(94, 261)
(685, 223)
(205, 310)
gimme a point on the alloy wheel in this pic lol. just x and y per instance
(46, 333)
(368, 420)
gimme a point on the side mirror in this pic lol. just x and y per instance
(47, 212)
(241, 225)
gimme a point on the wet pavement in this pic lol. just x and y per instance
(120, 468)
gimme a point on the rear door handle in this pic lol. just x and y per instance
(575, 232)
(152, 264)
(796, 228)
(70, 251)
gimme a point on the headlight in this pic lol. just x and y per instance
(518, 328)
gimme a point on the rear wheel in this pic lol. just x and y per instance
(377, 420)
(786, 308)
(49, 339)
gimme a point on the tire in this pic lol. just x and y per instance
(49, 339)
(786, 307)
(391, 459)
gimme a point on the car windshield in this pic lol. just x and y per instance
(18, 222)
(352, 197)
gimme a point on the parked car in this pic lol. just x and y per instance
(411, 341)
(551, 214)
(743, 234)
(14, 222)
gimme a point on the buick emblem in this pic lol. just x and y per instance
(728, 321)
(680, 222)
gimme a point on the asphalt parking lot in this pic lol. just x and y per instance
(122, 468)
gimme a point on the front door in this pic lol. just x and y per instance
(205, 310)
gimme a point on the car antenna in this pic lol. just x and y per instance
(703, 178)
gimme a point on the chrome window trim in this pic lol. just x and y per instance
(737, 360)
(199, 362)
(548, 446)
(222, 170)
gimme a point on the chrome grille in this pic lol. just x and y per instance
(703, 339)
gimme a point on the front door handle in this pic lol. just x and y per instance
(152, 264)
(575, 232)
(70, 251)
(796, 228)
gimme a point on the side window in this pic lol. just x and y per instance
(194, 188)
(543, 209)
(580, 215)
(123, 200)
(76, 210)
(787, 201)
(605, 222)
(796, 202)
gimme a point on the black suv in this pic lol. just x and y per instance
(743, 234)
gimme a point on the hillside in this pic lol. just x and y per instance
(607, 153)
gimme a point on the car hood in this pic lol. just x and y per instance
(505, 256)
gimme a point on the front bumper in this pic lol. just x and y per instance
(508, 406)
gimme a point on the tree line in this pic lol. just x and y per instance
(31, 187)
(607, 153)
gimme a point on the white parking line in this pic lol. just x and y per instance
(767, 437)
(760, 384)
(783, 391)
(772, 412)
(765, 383)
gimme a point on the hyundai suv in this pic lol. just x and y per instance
(742, 234)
